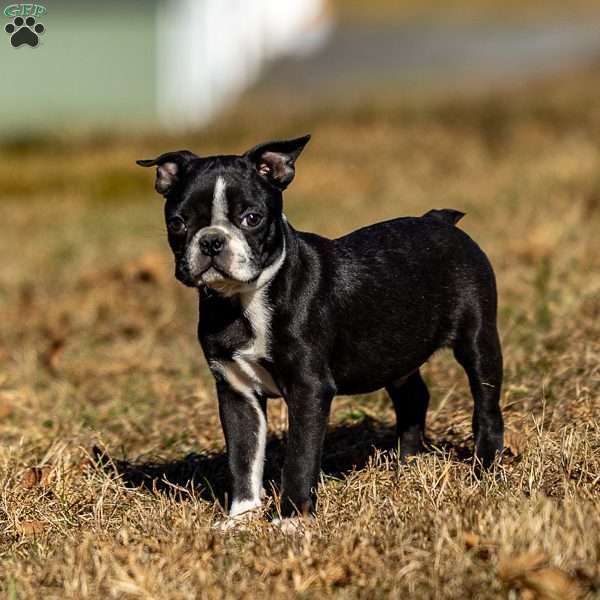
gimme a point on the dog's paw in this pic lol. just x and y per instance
(292, 525)
(238, 522)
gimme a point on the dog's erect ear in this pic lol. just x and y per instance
(275, 160)
(170, 167)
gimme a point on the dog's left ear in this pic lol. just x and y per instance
(275, 160)
(170, 167)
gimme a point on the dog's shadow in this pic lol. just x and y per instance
(348, 447)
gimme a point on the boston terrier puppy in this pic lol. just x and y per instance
(293, 314)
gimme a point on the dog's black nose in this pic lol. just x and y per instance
(212, 243)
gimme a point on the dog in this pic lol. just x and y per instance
(293, 314)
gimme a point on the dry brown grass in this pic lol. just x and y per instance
(97, 348)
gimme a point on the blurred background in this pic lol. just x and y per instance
(178, 64)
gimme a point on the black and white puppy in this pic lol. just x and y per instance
(293, 314)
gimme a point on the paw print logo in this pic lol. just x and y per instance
(24, 31)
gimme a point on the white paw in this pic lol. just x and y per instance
(292, 525)
(239, 521)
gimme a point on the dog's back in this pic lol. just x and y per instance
(404, 287)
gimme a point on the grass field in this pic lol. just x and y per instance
(98, 349)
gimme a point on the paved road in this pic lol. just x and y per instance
(442, 56)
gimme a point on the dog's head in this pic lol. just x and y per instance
(224, 213)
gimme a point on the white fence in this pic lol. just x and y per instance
(209, 51)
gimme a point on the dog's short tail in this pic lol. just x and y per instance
(448, 215)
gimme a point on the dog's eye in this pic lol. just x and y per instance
(251, 220)
(176, 226)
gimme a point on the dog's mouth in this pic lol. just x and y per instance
(205, 270)
(223, 283)
(205, 277)
(212, 274)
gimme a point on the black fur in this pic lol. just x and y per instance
(350, 315)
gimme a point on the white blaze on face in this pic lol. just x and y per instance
(219, 206)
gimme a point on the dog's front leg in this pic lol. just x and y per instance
(243, 417)
(308, 413)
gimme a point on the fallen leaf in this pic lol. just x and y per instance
(471, 539)
(149, 268)
(482, 547)
(527, 571)
(552, 584)
(32, 527)
(51, 356)
(515, 442)
(335, 575)
(588, 573)
(515, 567)
(34, 476)
(6, 409)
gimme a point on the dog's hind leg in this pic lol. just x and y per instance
(411, 398)
(478, 351)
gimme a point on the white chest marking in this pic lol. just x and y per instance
(245, 373)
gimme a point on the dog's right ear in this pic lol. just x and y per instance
(170, 166)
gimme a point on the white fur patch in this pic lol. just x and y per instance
(219, 205)
(239, 507)
(269, 273)
(258, 312)
(240, 521)
(240, 382)
(292, 525)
